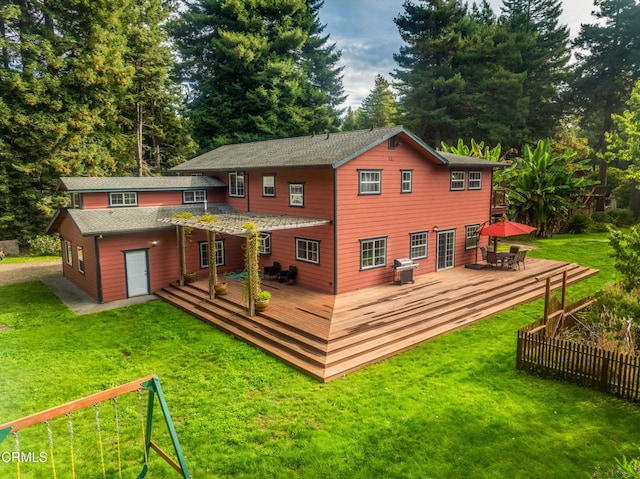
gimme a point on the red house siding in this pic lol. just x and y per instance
(394, 215)
(86, 281)
(151, 198)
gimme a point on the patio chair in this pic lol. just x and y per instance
(483, 250)
(288, 275)
(514, 249)
(492, 259)
(272, 272)
(520, 258)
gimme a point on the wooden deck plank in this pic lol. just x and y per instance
(328, 336)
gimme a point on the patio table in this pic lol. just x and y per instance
(504, 256)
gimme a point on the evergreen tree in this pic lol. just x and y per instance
(428, 81)
(61, 80)
(544, 60)
(461, 74)
(608, 65)
(351, 120)
(257, 70)
(150, 108)
(380, 107)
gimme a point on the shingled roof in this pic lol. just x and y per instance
(104, 221)
(325, 150)
(137, 183)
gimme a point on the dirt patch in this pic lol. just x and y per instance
(11, 273)
(4, 327)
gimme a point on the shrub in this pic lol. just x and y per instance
(621, 217)
(628, 469)
(45, 245)
(600, 217)
(626, 252)
(578, 223)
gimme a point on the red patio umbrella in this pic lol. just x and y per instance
(505, 228)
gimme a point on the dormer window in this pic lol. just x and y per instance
(127, 198)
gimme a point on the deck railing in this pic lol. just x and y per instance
(596, 368)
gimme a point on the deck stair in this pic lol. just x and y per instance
(360, 328)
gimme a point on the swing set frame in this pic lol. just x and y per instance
(151, 384)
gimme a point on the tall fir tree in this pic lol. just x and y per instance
(150, 110)
(380, 107)
(607, 66)
(257, 70)
(544, 60)
(70, 78)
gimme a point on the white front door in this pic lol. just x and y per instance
(445, 249)
(136, 266)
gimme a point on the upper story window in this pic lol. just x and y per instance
(127, 198)
(392, 143)
(296, 194)
(406, 181)
(370, 182)
(457, 180)
(76, 200)
(475, 180)
(236, 183)
(268, 185)
(198, 196)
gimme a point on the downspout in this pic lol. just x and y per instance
(247, 189)
(335, 231)
(98, 269)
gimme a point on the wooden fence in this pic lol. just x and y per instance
(607, 371)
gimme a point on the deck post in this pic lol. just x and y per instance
(213, 273)
(182, 260)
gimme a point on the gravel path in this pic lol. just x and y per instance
(29, 271)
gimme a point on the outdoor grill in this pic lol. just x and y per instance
(403, 270)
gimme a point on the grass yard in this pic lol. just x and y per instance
(454, 407)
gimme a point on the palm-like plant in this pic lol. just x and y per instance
(543, 188)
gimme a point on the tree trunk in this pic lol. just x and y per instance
(139, 153)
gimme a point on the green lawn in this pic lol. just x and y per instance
(454, 407)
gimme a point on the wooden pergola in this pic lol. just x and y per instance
(246, 225)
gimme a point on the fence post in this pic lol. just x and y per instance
(604, 373)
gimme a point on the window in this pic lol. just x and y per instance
(370, 182)
(198, 196)
(296, 194)
(471, 240)
(392, 143)
(265, 243)
(406, 179)
(80, 252)
(419, 245)
(457, 180)
(204, 253)
(236, 184)
(129, 198)
(475, 180)
(373, 253)
(76, 200)
(68, 252)
(268, 185)
(308, 250)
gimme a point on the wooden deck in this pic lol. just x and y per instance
(327, 336)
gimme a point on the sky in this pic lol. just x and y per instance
(367, 36)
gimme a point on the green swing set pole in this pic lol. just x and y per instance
(154, 388)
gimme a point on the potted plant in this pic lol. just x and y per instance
(262, 300)
(190, 276)
(220, 289)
